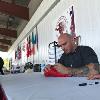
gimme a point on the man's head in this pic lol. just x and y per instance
(66, 42)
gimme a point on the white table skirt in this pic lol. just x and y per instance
(35, 86)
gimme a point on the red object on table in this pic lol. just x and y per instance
(54, 73)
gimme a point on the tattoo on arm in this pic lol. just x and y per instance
(94, 66)
(84, 70)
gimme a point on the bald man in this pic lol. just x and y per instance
(76, 60)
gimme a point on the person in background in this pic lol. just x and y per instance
(1, 66)
(76, 60)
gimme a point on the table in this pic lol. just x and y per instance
(35, 86)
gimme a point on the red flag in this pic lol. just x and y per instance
(33, 49)
(27, 48)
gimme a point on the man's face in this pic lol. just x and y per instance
(66, 44)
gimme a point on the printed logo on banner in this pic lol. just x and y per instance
(64, 23)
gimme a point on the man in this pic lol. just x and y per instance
(97, 76)
(1, 65)
(76, 60)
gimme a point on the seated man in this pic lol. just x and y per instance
(76, 60)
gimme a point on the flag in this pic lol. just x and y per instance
(33, 43)
(15, 54)
(72, 26)
(28, 47)
(19, 52)
(33, 38)
(37, 37)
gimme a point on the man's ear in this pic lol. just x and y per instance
(73, 40)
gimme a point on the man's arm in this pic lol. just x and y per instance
(88, 70)
(82, 71)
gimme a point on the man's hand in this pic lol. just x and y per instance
(97, 76)
(92, 74)
(47, 68)
(93, 70)
(62, 69)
